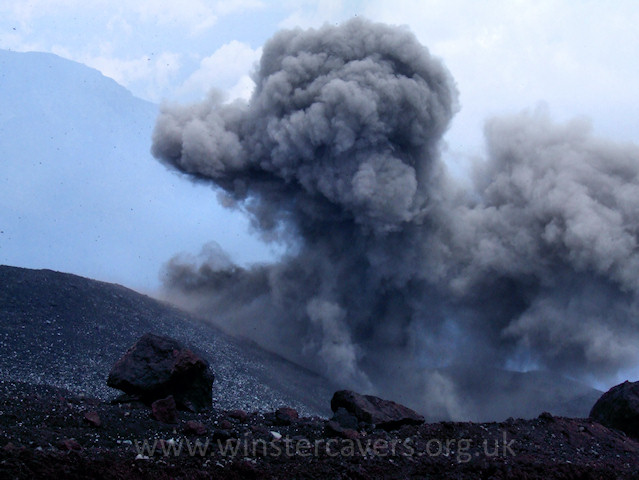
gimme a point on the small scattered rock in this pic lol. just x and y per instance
(164, 410)
(285, 416)
(69, 444)
(240, 415)
(226, 425)
(246, 468)
(93, 419)
(10, 447)
(546, 416)
(260, 430)
(194, 428)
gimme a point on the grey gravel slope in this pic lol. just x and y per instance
(67, 331)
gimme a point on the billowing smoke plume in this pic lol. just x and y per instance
(391, 269)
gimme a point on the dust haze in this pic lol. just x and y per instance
(394, 273)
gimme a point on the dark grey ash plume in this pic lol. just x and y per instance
(392, 270)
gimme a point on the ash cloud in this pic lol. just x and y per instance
(392, 269)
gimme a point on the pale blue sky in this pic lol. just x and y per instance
(577, 57)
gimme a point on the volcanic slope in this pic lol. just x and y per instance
(67, 331)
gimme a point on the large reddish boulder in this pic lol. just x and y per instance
(384, 414)
(619, 408)
(156, 367)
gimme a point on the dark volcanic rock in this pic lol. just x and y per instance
(345, 419)
(93, 418)
(156, 367)
(370, 409)
(69, 444)
(164, 410)
(240, 415)
(193, 427)
(226, 425)
(334, 429)
(41, 437)
(619, 408)
(285, 416)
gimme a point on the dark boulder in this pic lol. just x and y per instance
(384, 414)
(619, 408)
(156, 367)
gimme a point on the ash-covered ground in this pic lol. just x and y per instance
(60, 335)
(44, 433)
(68, 331)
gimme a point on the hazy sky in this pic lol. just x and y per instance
(573, 57)
(577, 56)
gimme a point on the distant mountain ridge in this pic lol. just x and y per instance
(51, 106)
(68, 134)
(79, 188)
(41, 76)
